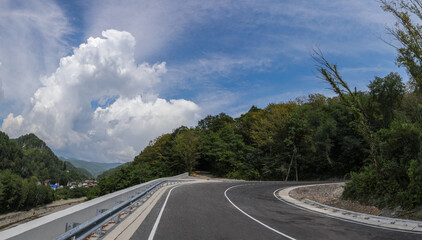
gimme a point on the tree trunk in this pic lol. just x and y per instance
(290, 165)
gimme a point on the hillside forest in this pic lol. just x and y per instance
(25, 163)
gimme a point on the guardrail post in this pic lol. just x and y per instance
(71, 225)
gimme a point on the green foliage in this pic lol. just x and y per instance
(20, 194)
(415, 185)
(394, 140)
(353, 102)
(186, 148)
(24, 165)
(42, 162)
(400, 150)
(396, 188)
(407, 32)
(386, 96)
(11, 157)
(313, 138)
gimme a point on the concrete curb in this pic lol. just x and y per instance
(350, 216)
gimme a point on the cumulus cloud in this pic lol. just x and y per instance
(12, 125)
(102, 72)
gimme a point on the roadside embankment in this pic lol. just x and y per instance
(9, 220)
(326, 199)
(330, 194)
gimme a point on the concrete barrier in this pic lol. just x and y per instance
(55, 224)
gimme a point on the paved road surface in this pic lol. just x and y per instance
(203, 211)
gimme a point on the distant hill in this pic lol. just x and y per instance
(95, 168)
(111, 171)
(29, 156)
(82, 171)
(25, 164)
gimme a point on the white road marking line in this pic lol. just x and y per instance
(338, 218)
(154, 229)
(272, 229)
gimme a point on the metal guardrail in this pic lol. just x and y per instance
(95, 224)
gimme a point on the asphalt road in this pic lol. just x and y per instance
(246, 211)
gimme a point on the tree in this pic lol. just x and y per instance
(187, 146)
(245, 122)
(387, 93)
(409, 35)
(351, 100)
(214, 123)
(265, 130)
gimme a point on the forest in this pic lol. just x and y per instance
(25, 163)
(312, 138)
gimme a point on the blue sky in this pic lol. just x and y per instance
(152, 66)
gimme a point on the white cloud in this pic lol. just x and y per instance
(32, 34)
(133, 119)
(12, 125)
(103, 68)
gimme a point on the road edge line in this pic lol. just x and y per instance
(256, 220)
(157, 221)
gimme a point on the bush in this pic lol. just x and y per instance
(415, 185)
(391, 190)
(362, 186)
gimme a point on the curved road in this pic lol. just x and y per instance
(246, 210)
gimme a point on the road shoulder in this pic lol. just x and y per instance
(350, 216)
(127, 228)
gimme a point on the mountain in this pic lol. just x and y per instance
(95, 168)
(29, 156)
(82, 171)
(111, 171)
(25, 163)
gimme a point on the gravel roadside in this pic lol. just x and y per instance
(330, 194)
